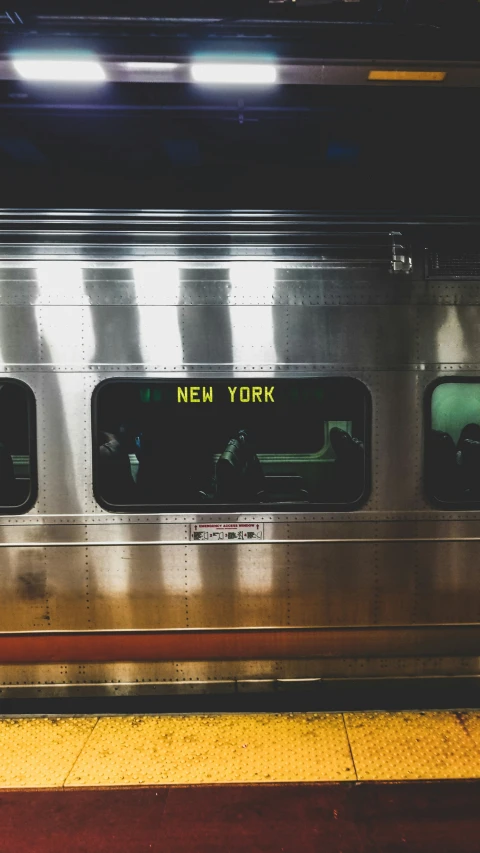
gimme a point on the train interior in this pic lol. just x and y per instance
(231, 442)
(16, 434)
(453, 443)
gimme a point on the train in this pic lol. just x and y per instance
(239, 450)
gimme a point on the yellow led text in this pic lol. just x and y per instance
(257, 394)
(242, 394)
(195, 394)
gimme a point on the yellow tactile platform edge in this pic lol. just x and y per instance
(224, 748)
(39, 753)
(413, 745)
(238, 748)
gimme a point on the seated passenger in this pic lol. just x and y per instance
(441, 466)
(468, 458)
(116, 483)
(239, 475)
(350, 465)
(175, 466)
(8, 496)
(470, 432)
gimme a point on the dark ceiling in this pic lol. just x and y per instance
(171, 145)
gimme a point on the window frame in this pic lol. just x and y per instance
(233, 509)
(434, 501)
(32, 498)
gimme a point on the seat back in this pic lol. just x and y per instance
(349, 464)
(443, 470)
(239, 475)
(7, 478)
(116, 481)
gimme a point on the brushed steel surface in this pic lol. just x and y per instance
(79, 303)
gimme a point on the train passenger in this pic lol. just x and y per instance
(175, 465)
(468, 458)
(8, 484)
(8, 495)
(349, 463)
(115, 475)
(239, 475)
(442, 464)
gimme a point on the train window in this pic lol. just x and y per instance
(452, 450)
(17, 447)
(211, 445)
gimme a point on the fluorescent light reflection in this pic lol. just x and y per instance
(66, 340)
(226, 73)
(158, 287)
(152, 67)
(62, 316)
(60, 70)
(117, 573)
(186, 577)
(60, 283)
(256, 577)
(450, 344)
(253, 330)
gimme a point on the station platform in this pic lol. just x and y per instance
(329, 781)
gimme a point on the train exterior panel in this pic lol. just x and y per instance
(369, 570)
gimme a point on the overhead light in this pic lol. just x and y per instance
(149, 66)
(227, 73)
(60, 70)
(406, 76)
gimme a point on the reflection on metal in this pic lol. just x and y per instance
(66, 70)
(301, 73)
(158, 284)
(253, 279)
(234, 74)
(216, 295)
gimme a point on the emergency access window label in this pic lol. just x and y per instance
(226, 532)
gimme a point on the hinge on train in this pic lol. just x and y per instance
(401, 259)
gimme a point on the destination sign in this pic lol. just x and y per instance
(230, 393)
(225, 392)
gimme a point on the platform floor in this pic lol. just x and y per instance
(363, 782)
(193, 749)
(432, 817)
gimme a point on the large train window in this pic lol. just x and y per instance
(220, 444)
(452, 450)
(17, 447)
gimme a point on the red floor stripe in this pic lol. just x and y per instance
(439, 817)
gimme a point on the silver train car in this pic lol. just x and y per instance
(238, 451)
